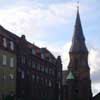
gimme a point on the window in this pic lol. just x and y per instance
(19, 70)
(83, 62)
(11, 45)
(42, 68)
(59, 85)
(33, 51)
(23, 59)
(46, 70)
(4, 61)
(11, 62)
(33, 65)
(42, 56)
(46, 81)
(59, 74)
(52, 72)
(76, 64)
(38, 66)
(4, 42)
(22, 75)
(11, 76)
(33, 77)
(50, 84)
(59, 97)
(38, 78)
(4, 76)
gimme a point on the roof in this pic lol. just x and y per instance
(28, 45)
(7, 33)
(78, 40)
(70, 76)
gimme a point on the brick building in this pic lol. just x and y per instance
(7, 63)
(27, 71)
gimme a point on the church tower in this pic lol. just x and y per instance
(78, 76)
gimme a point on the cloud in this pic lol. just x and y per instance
(94, 62)
(95, 89)
(34, 21)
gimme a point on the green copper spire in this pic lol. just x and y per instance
(70, 76)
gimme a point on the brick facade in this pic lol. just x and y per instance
(37, 73)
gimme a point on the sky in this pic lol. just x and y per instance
(50, 24)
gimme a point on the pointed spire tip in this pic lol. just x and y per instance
(78, 5)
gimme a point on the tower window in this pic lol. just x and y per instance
(76, 64)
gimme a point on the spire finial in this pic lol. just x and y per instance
(78, 5)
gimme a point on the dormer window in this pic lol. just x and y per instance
(11, 45)
(4, 42)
